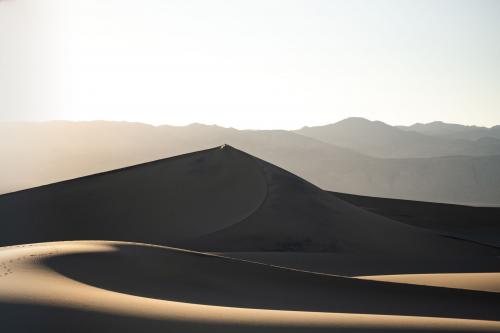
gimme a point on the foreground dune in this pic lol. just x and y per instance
(127, 287)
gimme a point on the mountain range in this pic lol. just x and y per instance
(356, 162)
(377, 139)
(454, 131)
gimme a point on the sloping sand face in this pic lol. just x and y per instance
(159, 202)
(63, 286)
(374, 265)
(480, 224)
(470, 281)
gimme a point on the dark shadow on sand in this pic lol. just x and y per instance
(196, 278)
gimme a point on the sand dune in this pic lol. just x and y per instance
(373, 264)
(154, 289)
(216, 200)
(158, 202)
(475, 223)
(277, 254)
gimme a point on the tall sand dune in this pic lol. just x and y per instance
(220, 199)
(158, 202)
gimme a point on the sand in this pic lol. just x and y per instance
(158, 202)
(48, 288)
(216, 200)
(480, 224)
(470, 281)
(221, 241)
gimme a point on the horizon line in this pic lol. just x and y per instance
(227, 127)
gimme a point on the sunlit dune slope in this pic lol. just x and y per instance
(471, 281)
(125, 287)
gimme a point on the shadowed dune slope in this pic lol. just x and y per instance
(374, 264)
(297, 216)
(141, 287)
(158, 202)
(220, 199)
(266, 287)
(481, 224)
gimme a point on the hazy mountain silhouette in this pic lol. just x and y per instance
(454, 131)
(375, 138)
(39, 153)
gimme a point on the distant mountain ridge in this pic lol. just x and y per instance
(377, 139)
(456, 131)
(34, 154)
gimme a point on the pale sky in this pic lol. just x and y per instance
(250, 64)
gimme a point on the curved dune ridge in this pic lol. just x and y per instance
(125, 287)
(220, 199)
